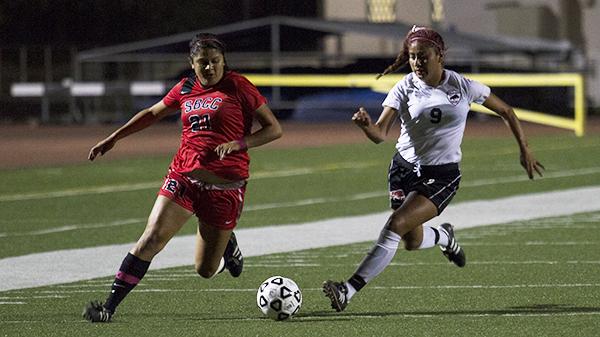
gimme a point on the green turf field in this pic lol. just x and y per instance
(536, 278)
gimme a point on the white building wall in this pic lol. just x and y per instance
(470, 16)
(591, 26)
(417, 12)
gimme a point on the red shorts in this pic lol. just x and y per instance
(218, 205)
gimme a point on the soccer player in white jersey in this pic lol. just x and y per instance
(431, 104)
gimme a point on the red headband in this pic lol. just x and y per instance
(426, 30)
(422, 38)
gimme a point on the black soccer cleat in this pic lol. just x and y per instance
(337, 293)
(95, 312)
(453, 251)
(234, 261)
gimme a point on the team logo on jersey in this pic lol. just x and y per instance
(397, 195)
(454, 97)
(202, 103)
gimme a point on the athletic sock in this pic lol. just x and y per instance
(376, 260)
(432, 237)
(130, 273)
(444, 239)
(353, 285)
(221, 267)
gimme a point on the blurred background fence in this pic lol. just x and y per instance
(91, 80)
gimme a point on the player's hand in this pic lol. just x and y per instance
(226, 148)
(361, 118)
(531, 164)
(101, 148)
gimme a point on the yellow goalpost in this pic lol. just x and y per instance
(577, 123)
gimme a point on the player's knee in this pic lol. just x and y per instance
(412, 240)
(397, 223)
(151, 243)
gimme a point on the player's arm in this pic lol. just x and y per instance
(269, 131)
(378, 131)
(140, 121)
(507, 113)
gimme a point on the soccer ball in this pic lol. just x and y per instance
(279, 298)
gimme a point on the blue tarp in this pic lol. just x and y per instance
(337, 106)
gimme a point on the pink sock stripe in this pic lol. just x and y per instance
(127, 278)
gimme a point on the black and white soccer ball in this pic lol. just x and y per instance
(279, 298)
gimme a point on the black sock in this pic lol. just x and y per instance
(130, 273)
(357, 282)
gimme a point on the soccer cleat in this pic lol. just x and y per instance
(453, 251)
(337, 293)
(234, 261)
(95, 312)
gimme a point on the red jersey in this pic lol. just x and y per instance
(210, 117)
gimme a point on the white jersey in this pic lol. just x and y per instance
(433, 118)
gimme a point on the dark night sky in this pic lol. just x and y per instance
(104, 22)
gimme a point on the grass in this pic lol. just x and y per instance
(536, 278)
(326, 182)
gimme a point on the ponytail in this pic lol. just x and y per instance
(400, 61)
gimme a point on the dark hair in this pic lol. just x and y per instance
(428, 35)
(206, 40)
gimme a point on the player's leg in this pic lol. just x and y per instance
(219, 208)
(440, 191)
(424, 237)
(165, 220)
(414, 211)
(210, 248)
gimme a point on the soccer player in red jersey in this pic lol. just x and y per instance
(207, 177)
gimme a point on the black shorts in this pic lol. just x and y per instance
(438, 183)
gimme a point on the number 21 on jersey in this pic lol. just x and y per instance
(199, 122)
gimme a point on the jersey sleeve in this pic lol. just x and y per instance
(249, 96)
(476, 91)
(396, 98)
(173, 96)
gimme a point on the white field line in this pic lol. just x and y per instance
(250, 208)
(141, 289)
(407, 264)
(412, 316)
(79, 191)
(276, 174)
(473, 183)
(328, 318)
(298, 203)
(524, 177)
(165, 277)
(529, 243)
(515, 150)
(153, 277)
(72, 265)
(34, 297)
(156, 184)
(75, 227)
